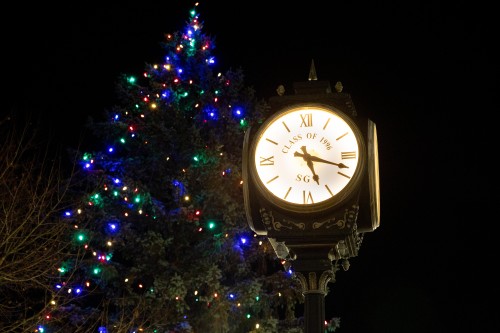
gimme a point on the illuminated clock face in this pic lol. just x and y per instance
(307, 155)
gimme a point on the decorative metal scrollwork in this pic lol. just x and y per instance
(340, 224)
(309, 281)
(347, 221)
(270, 222)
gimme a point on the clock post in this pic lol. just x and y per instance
(311, 185)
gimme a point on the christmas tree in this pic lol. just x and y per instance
(161, 242)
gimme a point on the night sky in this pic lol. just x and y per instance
(425, 74)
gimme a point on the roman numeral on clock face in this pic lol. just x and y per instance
(267, 160)
(308, 199)
(348, 155)
(307, 120)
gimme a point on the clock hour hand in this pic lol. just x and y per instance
(307, 157)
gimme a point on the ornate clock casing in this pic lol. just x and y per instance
(303, 169)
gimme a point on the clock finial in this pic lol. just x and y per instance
(312, 72)
(280, 90)
(339, 87)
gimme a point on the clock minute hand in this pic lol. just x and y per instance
(317, 159)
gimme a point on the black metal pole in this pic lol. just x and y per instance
(314, 311)
(314, 270)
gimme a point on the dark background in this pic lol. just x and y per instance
(426, 74)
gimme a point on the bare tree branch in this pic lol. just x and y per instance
(33, 239)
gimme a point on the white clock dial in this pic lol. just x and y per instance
(306, 155)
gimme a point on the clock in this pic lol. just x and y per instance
(307, 158)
